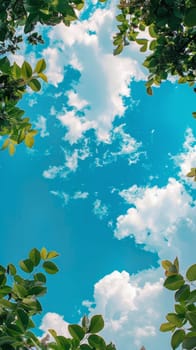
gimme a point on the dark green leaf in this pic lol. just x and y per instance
(96, 342)
(177, 338)
(35, 256)
(40, 277)
(26, 70)
(35, 85)
(76, 331)
(96, 324)
(174, 282)
(50, 267)
(26, 265)
(190, 17)
(23, 318)
(183, 293)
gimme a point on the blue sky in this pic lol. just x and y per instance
(104, 185)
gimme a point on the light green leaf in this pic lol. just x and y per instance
(29, 140)
(44, 253)
(11, 148)
(191, 273)
(5, 144)
(43, 77)
(52, 254)
(40, 66)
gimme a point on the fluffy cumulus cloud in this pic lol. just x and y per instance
(131, 309)
(104, 79)
(157, 216)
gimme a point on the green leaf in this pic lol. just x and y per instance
(11, 148)
(85, 347)
(177, 338)
(183, 293)
(96, 324)
(76, 331)
(35, 85)
(26, 70)
(118, 50)
(40, 66)
(191, 315)
(16, 71)
(194, 114)
(152, 32)
(29, 140)
(176, 319)
(192, 297)
(20, 290)
(52, 254)
(189, 342)
(180, 309)
(11, 269)
(4, 65)
(191, 273)
(174, 282)
(23, 318)
(40, 277)
(35, 256)
(149, 91)
(50, 267)
(43, 77)
(63, 342)
(38, 291)
(26, 265)
(96, 342)
(190, 17)
(5, 144)
(167, 327)
(44, 253)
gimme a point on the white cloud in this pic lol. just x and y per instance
(52, 320)
(100, 209)
(156, 215)
(52, 172)
(76, 126)
(132, 309)
(187, 158)
(75, 101)
(40, 124)
(104, 79)
(80, 195)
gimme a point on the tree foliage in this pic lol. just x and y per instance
(19, 302)
(169, 33)
(182, 321)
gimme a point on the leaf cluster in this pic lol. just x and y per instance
(19, 298)
(14, 81)
(182, 321)
(171, 25)
(19, 302)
